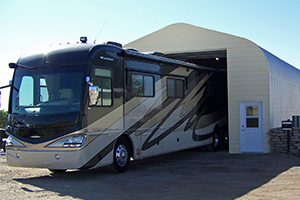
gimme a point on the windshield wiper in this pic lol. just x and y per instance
(15, 66)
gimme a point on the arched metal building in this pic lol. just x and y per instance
(262, 91)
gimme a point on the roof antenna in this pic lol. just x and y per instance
(100, 31)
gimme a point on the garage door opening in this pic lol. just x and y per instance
(216, 60)
(213, 59)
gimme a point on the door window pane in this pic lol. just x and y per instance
(103, 72)
(106, 92)
(101, 93)
(252, 110)
(252, 122)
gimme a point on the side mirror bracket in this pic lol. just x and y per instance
(13, 65)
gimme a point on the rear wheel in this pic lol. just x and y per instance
(225, 140)
(214, 146)
(121, 155)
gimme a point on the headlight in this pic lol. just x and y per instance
(73, 141)
(11, 142)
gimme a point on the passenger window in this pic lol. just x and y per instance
(101, 93)
(142, 85)
(175, 88)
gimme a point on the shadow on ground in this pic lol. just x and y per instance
(189, 174)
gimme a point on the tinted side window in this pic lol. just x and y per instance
(142, 85)
(175, 88)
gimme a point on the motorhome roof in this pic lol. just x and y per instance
(78, 53)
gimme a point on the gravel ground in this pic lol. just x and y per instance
(190, 174)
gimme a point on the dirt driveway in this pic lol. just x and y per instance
(190, 174)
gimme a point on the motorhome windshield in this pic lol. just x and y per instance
(47, 90)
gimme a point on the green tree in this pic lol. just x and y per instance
(3, 118)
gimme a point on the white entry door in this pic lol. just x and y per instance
(251, 127)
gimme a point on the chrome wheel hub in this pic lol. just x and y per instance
(121, 155)
(216, 140)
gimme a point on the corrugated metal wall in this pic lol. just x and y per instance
(284, 90)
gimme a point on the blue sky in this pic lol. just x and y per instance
(31, 24)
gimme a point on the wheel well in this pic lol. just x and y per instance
(217, 128)
(130, 143)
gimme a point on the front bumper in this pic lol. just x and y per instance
(46, 159)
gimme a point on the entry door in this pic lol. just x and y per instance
(251, 127)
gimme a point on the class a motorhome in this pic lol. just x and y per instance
(86, 105)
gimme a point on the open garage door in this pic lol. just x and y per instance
(212, 59)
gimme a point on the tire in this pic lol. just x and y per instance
(121, 155)
(2, 145)
(215, 145)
